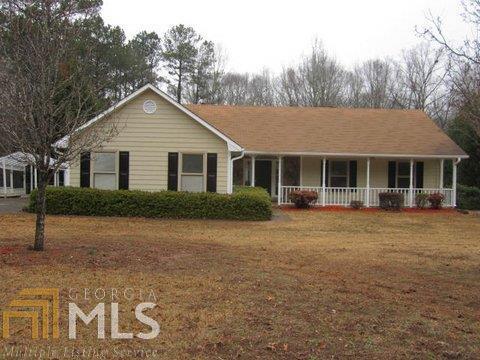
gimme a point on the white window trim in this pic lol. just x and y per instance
(92, 167)
(330, 172)
(181, 173)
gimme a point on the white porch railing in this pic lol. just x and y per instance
(12, 192)
(344, 196)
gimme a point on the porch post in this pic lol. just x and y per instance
(440, 183)
(324, 169)
(32, 175)
(55, 181)
(4, 170)
(229, 173)
(11, 179)
(411, 184)
(280, 192)
(253, 172)
(36, 177)
(454, 182)
(367, 200)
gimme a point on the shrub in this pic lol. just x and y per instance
(468, 197)
(303, 198)
(244, 204)
(391, 201)
(421, 200)
(356, 204)
(436, 200)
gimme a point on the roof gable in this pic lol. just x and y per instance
(232, 145)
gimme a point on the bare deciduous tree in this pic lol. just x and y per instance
(322, 78)
(464, 72)
(46, 95)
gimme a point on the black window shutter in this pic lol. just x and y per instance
(124, 170)
(212, 172)
(419, 175)
(353, 173)
(85, 169)
(28, 179)
(61, 178)
(173, 171)
(392, 174)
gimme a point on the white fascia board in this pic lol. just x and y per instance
(356, 155)
(232, 145)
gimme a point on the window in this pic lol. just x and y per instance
(104, 171)
(17, 179)
(9, 184)
(193, 175)
(403, 175)
(1, 177)
(291, 171)
(338, 173)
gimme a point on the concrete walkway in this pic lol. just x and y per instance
(12, 205)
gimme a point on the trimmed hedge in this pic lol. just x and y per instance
(244, 204)
(468, 197)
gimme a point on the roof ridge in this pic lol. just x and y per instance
(302, 107)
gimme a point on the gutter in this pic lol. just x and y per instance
(230, 170)
(357, 155)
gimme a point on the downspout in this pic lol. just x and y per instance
(230, 170)
(454, 182)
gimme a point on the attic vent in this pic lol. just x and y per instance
(149, 106)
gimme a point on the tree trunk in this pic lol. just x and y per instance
(179, 86)
(41, 209)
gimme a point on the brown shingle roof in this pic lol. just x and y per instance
(329, 130)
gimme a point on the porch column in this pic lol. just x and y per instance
(440, 183)
(454, 182)
(11, 179)
(229, 173)
(253, 172)
(36, 177)
(411, 184)
(55, 179)
(367, 200)
(4, 170)
(324, 169)
(31, 177)
(280, 192)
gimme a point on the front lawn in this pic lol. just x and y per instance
(322, 284)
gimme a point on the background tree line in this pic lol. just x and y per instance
(433, 76)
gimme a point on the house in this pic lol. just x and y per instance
(343, 154)
(17, 178)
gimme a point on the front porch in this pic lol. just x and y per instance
(340, 180)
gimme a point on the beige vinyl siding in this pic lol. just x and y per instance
(311, 172)
(431, 174)
(150, 137)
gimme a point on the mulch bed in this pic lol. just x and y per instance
(368, 210)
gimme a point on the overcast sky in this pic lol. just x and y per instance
(274, 33)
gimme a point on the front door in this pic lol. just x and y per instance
(263, 174)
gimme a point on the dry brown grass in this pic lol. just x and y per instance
(360, 285)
